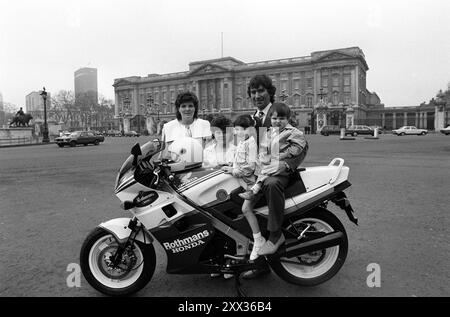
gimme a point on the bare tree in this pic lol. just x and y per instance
(63, 107)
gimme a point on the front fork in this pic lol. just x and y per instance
(116, 258)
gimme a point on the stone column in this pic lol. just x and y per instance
(135, 101)
(126, 124)
(383, 120)
(222, 94)
(405, 118)
(316, 86)
(394, 121)
(230, 94)
(439, 118)
(425, 123)
(357, 84)
(116, 104)
(417, 120)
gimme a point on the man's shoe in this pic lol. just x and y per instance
(248, 195)
(270, 248)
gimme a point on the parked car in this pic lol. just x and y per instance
(359, 129)
(446, 130)
(113, 133)
(131, 134)
(330, 129)
(409, 129)
(79, 137)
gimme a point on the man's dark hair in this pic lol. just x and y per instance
(281, 109)
(266, 82)
(244, 121)
(186, 96)
(221, 122)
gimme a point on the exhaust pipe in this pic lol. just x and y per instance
(298, 248)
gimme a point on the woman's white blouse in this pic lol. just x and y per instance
(174, 129)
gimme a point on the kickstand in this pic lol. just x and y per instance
(240, 292)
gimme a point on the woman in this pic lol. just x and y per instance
(187, 123)
(220, 151)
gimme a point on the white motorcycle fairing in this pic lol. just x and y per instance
(118, 227)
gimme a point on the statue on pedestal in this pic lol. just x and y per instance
(21, 119)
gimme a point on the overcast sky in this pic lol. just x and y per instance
(42, 42)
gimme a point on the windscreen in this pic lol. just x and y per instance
(148, 150)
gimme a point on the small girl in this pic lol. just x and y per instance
(244, 165)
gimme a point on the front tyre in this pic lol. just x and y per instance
(134, 271)
(319, 266)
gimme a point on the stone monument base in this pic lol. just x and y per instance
(19, 135)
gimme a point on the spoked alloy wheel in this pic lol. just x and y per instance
(134, 270)
(319, 266)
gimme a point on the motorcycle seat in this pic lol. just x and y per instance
(296, 187)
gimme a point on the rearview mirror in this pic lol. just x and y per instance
(136, 151)
(157, 143)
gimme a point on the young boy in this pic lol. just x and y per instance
(282, 141)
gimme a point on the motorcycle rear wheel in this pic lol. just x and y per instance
(316, 267)
(134, 272)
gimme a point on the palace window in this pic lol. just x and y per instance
(309, 101)
(297, 84)
(309, 82)
(347, 99)
(335, 98)
(296, 100)
(335, 80)
(347, 80)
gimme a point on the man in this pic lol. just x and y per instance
(262, 92)
(20, 112)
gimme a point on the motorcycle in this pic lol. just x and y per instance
(195, 215)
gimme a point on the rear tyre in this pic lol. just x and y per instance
(61, 145)
(355, 134)
(319, 266)
(131, 275)
(96, 142)
(423, 133)
(73, 143)
(402, 134)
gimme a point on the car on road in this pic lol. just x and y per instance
(409, 129)
(113, 133)
(446, 130)
(131, 134)
(359, 129)
(330, 129)
(79, 137)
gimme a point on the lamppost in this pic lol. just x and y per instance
(204, 109)
(45, 138)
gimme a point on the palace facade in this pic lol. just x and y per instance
(325, 88)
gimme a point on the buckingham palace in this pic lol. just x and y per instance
(325, 88)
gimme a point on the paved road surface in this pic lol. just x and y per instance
(50, 198)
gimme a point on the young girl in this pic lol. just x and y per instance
(244, 164)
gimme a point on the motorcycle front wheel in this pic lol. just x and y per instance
(131, 274)
(319, 266)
